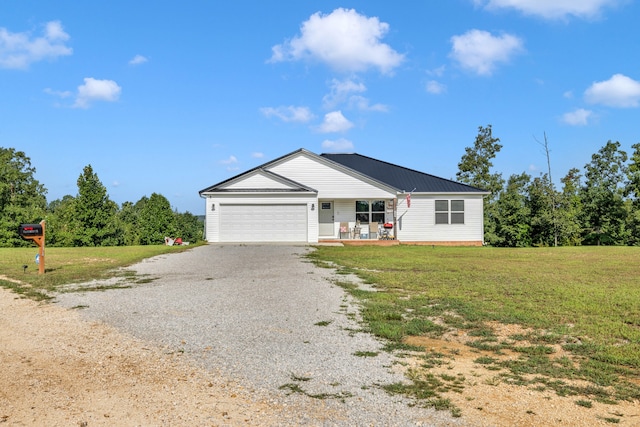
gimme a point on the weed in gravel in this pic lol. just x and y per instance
(295, 388)
(366, 353)
(323, 323)
(295, 377)
(292, 388)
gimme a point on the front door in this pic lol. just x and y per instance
(325, 218)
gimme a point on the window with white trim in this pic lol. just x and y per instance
(449, 211)
(370, 211)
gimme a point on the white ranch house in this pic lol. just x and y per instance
(304, 197)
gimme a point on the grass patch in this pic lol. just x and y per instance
(66, 266)
(292, 388)
(323, 323)
(584, 403)
(366, 353)
(583, 299)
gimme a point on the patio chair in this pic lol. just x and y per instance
(373, 230)
(344, 229)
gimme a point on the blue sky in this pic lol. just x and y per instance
(172, 97)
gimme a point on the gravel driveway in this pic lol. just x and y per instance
(271, 320)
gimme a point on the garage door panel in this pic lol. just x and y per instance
(263, 223)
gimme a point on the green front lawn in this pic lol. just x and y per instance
(585, 299)
(69, 265)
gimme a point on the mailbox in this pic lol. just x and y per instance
(28, 231)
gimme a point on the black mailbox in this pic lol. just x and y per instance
(30, 230)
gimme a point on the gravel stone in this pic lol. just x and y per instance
(272, 321)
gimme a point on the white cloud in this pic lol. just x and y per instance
(568, 94)
(345, 92)
(137, 60)
(257, 155)
(552, 9)
(480, 52)
(340, 145)
(58, 93)
(437, 72)
(344, 40)
(290, 114)
(19, 50)
(96, 90)
(619, 91)
(435, 87)
(230, 161)
(579, 117)
(341, 90)
(361, 103)
(334, 122)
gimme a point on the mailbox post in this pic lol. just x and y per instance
(35, 232)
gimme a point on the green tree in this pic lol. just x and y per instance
(22, 197)
(541, 199)
(632, 192)
(95, 214)
(513, 213)
(61, 222)
(156, 220)
(570, 209)
(475, 169)
(603, 208)
(189, 227)
(128, 216)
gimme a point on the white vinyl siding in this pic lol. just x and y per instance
(257, 181)
(330, 183)
(418, 223)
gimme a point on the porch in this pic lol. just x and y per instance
(358, 242)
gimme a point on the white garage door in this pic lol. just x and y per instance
(263, 223)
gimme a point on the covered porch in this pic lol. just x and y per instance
(356, 219)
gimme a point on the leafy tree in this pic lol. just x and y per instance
(95, 213)
(156, 220)
(541, 201)
(128, 217)
(512, 213)
(22, 197)
(632, 191)
(603, 209)
(189, 227)
(61, 222)
(570, 209)
(475, 169)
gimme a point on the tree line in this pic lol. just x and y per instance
(90, 218)
(598, 205)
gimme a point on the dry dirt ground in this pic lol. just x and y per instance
(59, 370)
(487, 401)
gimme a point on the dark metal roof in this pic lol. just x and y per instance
(399, 177)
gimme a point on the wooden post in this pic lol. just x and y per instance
(40, 242)
(32, 232)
